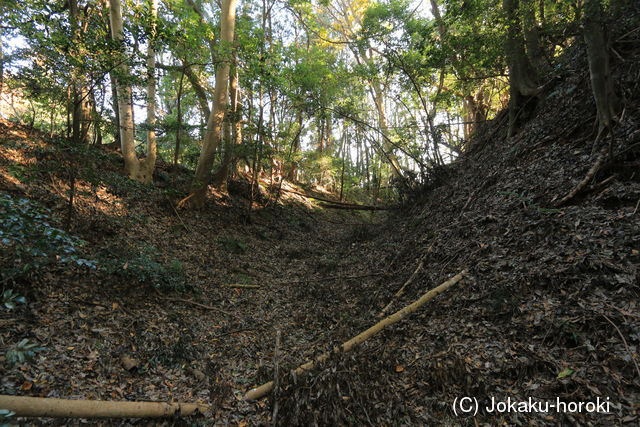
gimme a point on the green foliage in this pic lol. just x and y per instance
(28, 242)
(10, 299)
(139, 265)
(22, 352)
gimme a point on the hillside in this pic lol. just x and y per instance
(550, 309)
(166, 304)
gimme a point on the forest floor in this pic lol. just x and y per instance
(123, 331)
(549, 310)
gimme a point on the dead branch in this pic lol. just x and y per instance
(266, 388)
(401, 290)
(334, 204)
(325, 279)
(25, 406)
(585, 181)
(355, 207)
(197, 304)
(177, 214)
(624, 341)
(241, 285)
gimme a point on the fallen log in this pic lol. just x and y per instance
(355, 207)
(25, 406)
(334, 204)
(264, 389)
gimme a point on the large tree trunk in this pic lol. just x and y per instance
(148, 164)
(214, 125)
(522, 77)
(532, 40)
(125, 107)
(599, 69)
(232, 131)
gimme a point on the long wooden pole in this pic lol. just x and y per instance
(264, 389)
(25, 406)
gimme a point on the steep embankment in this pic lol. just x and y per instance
(550, 309)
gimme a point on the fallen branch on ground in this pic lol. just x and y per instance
(241, 285)
(355, 207)
(197, 304)
(264, 389)
(324, 279)
(401, 290)
(582, 184)
(25, 406)
(334, 204)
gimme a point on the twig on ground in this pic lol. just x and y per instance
(401, 290)
(276, 382)
(188, 301)
(178, 215)
(624, 341)
(324, 279)
(585, 181)
(241, 285)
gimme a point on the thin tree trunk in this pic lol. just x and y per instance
(214, 126)
(125, 107)
(148, 164)
(176, 152)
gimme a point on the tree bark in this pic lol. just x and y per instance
(148, 164)
(214, 125)
(532, 40)
(232, 131)
(176, 152)
(25, 406)
(123, 90)
(80, 113)
(607, 102)
(522, 77)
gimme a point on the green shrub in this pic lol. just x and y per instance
(28, 242)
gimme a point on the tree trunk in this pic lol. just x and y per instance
(295, 148)
(522, 78)
(214, 125)
(176, 152)
(80, 112)
(599, 69)
(125, 107)
(148, 164)
(532, 40)
(1, 64)
(232, 131)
